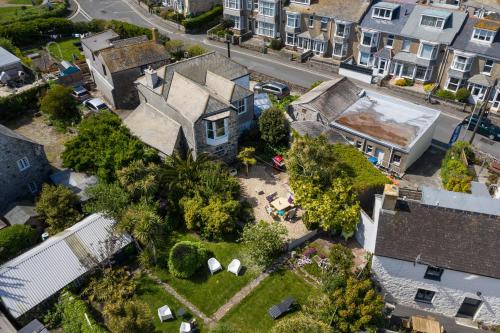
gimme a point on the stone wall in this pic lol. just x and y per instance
(401, 279)
(14, 184)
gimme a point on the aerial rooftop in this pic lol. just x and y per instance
(100, 41)
(350, 10)
(387, 119)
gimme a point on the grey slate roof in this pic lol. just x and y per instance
(394, 26)
(100, 41)
(413, 29)
(348, 10)
(5, 131)
(154, 128)
(7, 58)
(34, 326)
(442, 237)
(39, 273)
(385, 53)
(483, 80)
(463, 41)
(315, 129)
(462, 201)
(196, 68)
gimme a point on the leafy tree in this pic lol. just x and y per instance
(111, 286)
(58, 207)
(219, 217)
(336, 208)
(186, 258)
(196, 50)
(357, 307)
(76, 316)
(139, 179)
(273, 127)
(245, 156)
(60, 106)
(264, 241)
(131, 316)
(192, 208)
(143, 223)
(341, 258)
(175, 47)
(107, 198)
(300, 323)
(455, 174)
(16, 239)
(104, 146)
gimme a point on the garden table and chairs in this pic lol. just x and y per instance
(214, 265)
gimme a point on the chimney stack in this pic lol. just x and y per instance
(391, 194)
(154, 35)
(151, 77)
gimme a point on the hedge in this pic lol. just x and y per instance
(15, 240)
(186, 258)
(12, 107)
(204, 20)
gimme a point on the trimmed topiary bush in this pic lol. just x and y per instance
(16, 239)
(186, 258)
(462, 95)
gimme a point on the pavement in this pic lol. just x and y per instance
(130, 11)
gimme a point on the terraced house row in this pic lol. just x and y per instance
(451, 43)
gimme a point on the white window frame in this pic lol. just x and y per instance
(310, 22)
(32, 187)
(23, 164)
(301, 2)
(236, 21)
(382, 13)
(439, 22)
(393, 160)
(211, 127)
(487, 69)
(346, 30)
(324, 23)
(391, 38)
(267, 8)
(459, 65)
(249, 4)
(369, 149)
(434, 50)
(293, 18)
(266, 29)
(343, 49)
(373, 38)
(406, 45)
(241, 106)
(319, 46)
(483, 35)
(368, 63)
(454, 85)
(427, 73)
(482, 91)
(293, 38)
(232, 4)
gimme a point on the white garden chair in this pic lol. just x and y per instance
(185, 328)
(214, 265)
(164, 313)
(234, 266)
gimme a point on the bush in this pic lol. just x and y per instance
(204, 20)
(58, 207)
(428, 87)
(403, 82)
(75, 315)
(196, 50)
(186, 258)
(462, 95)
(16, 239)
(276, 44)
(445, 94)
(17, 105)
(273, 126)
(60, 106)
(264, 241)
(455, 174)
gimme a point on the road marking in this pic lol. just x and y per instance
(80, 10)
(159, 27)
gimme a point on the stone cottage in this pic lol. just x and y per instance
(23, 167)
(116, 63)
(202, 104)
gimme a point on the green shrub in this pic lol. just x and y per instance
(315, 84)
(16, 239)
(60, 106)
(428, 87)
(462, 95)
(403, 82)
(445, 94)
(186, 258)
(15, 106)
(273, 126)
(75, 315)
(196, 50)
(455, 174)
(276, 44)
(204, 20)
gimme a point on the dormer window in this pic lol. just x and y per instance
(432, 21)
(382, 13)
(482, 35)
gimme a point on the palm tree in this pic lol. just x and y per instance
(183, 171)
(146, 231)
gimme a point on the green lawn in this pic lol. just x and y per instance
(9, 14)
(67, 49)
(208, 292)
(19, 2)
(155, 296)
(250, 316)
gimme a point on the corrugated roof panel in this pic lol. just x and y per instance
(34, 276)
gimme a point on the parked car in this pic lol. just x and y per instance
(275, 88)
(95, 104)
(486, 127)
(80, 93)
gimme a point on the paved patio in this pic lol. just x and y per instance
(265, 180)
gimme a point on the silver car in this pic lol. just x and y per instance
(95, 104)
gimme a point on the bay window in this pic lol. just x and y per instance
(423, 73)
(236, 20)
(265, 29)
(217, 131)
(427, 51)
(291, 39)
(453, 84)
(241, 106)
(461, 63)
(232, 4)
(292, 20)
(407, 71)
(364, 58)
(340, 50)
(432, 21)
(482, 35)
(369, 38)
(249, 4)
(319, 47)
(266, 8)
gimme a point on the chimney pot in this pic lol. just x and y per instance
(151, 77)
(391, 194)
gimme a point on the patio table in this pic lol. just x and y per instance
(280, 203)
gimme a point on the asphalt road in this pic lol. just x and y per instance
(122, 10)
